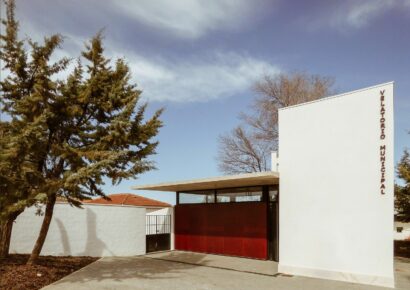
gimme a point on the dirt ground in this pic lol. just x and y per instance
(14, 274)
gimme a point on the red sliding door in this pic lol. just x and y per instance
(235, 229)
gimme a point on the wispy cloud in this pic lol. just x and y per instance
(191, 18)
(354, 14)
(214, 76)
(197, 78)
(357, 14)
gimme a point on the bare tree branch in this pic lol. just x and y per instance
(247, 148)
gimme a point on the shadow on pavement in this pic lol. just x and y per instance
(124, 268)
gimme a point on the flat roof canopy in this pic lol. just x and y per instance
(240, 180)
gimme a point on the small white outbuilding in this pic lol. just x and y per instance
(115, 227)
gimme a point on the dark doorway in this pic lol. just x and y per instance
(272, 195)
(158, 233)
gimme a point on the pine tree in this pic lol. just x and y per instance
(22, 132)
(97, 130)
(402, 193)
(87, 127)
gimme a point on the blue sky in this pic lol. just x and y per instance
(198, 59)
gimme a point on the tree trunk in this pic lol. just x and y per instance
(6, 227)
(5, 235)
(43, 231)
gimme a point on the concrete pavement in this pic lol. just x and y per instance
(199, 271)
(218, 261)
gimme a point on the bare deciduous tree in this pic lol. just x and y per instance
(247, 147)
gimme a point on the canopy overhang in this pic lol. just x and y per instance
(229, 181)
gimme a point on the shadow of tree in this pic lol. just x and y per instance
(124, 268)
(154, 266)
(64, 237)
(94, 246)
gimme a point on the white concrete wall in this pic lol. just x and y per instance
(152, 209)
(274, 161)
(167, 211)
(95, 230)
(404, 234)
(334, 221)
(162, 211)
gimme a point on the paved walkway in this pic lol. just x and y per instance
(162, 271)
(221, 262)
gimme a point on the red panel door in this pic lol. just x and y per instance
(235, 229)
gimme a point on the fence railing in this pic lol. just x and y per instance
(157, 224)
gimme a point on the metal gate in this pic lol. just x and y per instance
(158, 233)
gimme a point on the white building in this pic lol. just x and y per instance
(115, 227)
(327, 209)
(401, 231)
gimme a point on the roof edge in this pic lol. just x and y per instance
(121, 205)
(336, 96)
(209, 179)
(126, 199)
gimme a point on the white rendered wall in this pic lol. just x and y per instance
(404, 234)
(334, 221)
(274, 161)
(167, 211)
(95, 230)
